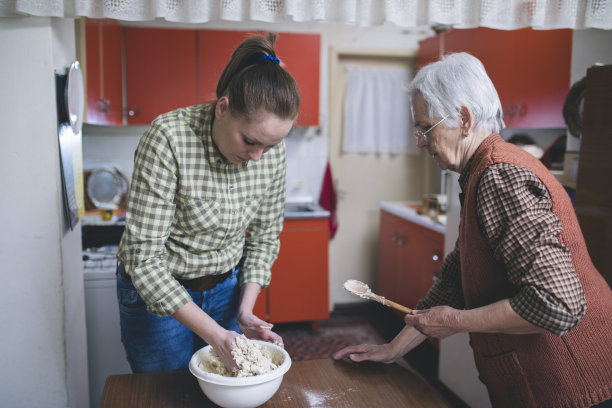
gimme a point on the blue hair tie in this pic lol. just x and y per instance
(266, 58)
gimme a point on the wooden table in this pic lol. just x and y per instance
(312, 383)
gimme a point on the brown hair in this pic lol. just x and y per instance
(254, 79)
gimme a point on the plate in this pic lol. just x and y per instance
(75, 97)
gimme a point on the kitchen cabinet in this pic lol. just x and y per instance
(409, 259)
(160, 68)
(529, 68)
(299, 290)
(103, 72)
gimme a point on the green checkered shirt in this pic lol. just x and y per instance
(189, 209)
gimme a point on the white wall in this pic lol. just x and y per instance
(39, 259)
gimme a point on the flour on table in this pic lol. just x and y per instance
(251, 358)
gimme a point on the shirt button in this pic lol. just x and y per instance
(233, 212)
(227, 237)
(231, 187)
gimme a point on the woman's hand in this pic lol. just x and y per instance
(224, 345)
(368, 352)
(255, 328)
(438, 322)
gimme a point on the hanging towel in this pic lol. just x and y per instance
(327, 200)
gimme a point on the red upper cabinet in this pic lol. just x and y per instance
(215, 48)
(529, 68)
(160, 72)
(103, 75)
(299, 54)
(429, 50)
(542, 64)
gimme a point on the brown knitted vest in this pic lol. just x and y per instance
(537, 370)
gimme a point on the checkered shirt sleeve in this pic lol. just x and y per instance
(515, 217)
(189, 208)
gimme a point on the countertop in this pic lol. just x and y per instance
(404, 210)
(311, 383)
(301, 210)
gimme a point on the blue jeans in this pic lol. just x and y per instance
(155, 343)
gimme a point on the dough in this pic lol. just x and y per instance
(251, 358)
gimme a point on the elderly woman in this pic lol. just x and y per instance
(520, 279)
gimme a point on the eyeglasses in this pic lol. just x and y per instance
(419, 133)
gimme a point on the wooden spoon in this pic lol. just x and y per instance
(363, 291)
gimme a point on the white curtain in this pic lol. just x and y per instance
(377, 115)
(501, 14)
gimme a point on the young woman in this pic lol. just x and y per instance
(204, 215)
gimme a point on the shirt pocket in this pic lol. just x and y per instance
(250, 207)
(197, 215)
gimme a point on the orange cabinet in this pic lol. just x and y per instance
(409, 259)
(103, 76)
(160, 66)
(299, 290)
(529, 68)
(161, 69)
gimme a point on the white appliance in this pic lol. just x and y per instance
(105, 352)
(457, 369)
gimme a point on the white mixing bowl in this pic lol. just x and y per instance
(241, 392)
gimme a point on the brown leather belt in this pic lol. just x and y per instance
(200, 284)
(204, 282)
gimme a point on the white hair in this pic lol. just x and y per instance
(456, 80)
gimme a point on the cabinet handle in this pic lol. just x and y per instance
(400, 240)
(434, 277)
(436, 256)
(394, 238)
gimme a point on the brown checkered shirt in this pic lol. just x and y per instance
(514, 213)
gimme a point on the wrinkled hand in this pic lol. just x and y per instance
(438, 322)
(367, 352)
(224, 348)
(255, 328)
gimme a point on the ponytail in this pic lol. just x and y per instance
(253, 79)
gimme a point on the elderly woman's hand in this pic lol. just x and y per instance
(438, 322)
(383, 353)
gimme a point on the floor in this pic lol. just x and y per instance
(387, 324)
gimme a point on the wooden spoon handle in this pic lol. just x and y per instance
(397, 306)
(390, 303)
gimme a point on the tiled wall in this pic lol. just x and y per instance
(306, 154)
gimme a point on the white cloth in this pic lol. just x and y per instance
(501, 14)
(377, 115)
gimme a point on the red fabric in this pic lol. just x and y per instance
(327, 200)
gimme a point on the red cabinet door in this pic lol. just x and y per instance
(542, 60)
(429, 50)
(104, 75)
(529, 68)
(299, 290)
(160, 71)
(214, 50)
(299, 54)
